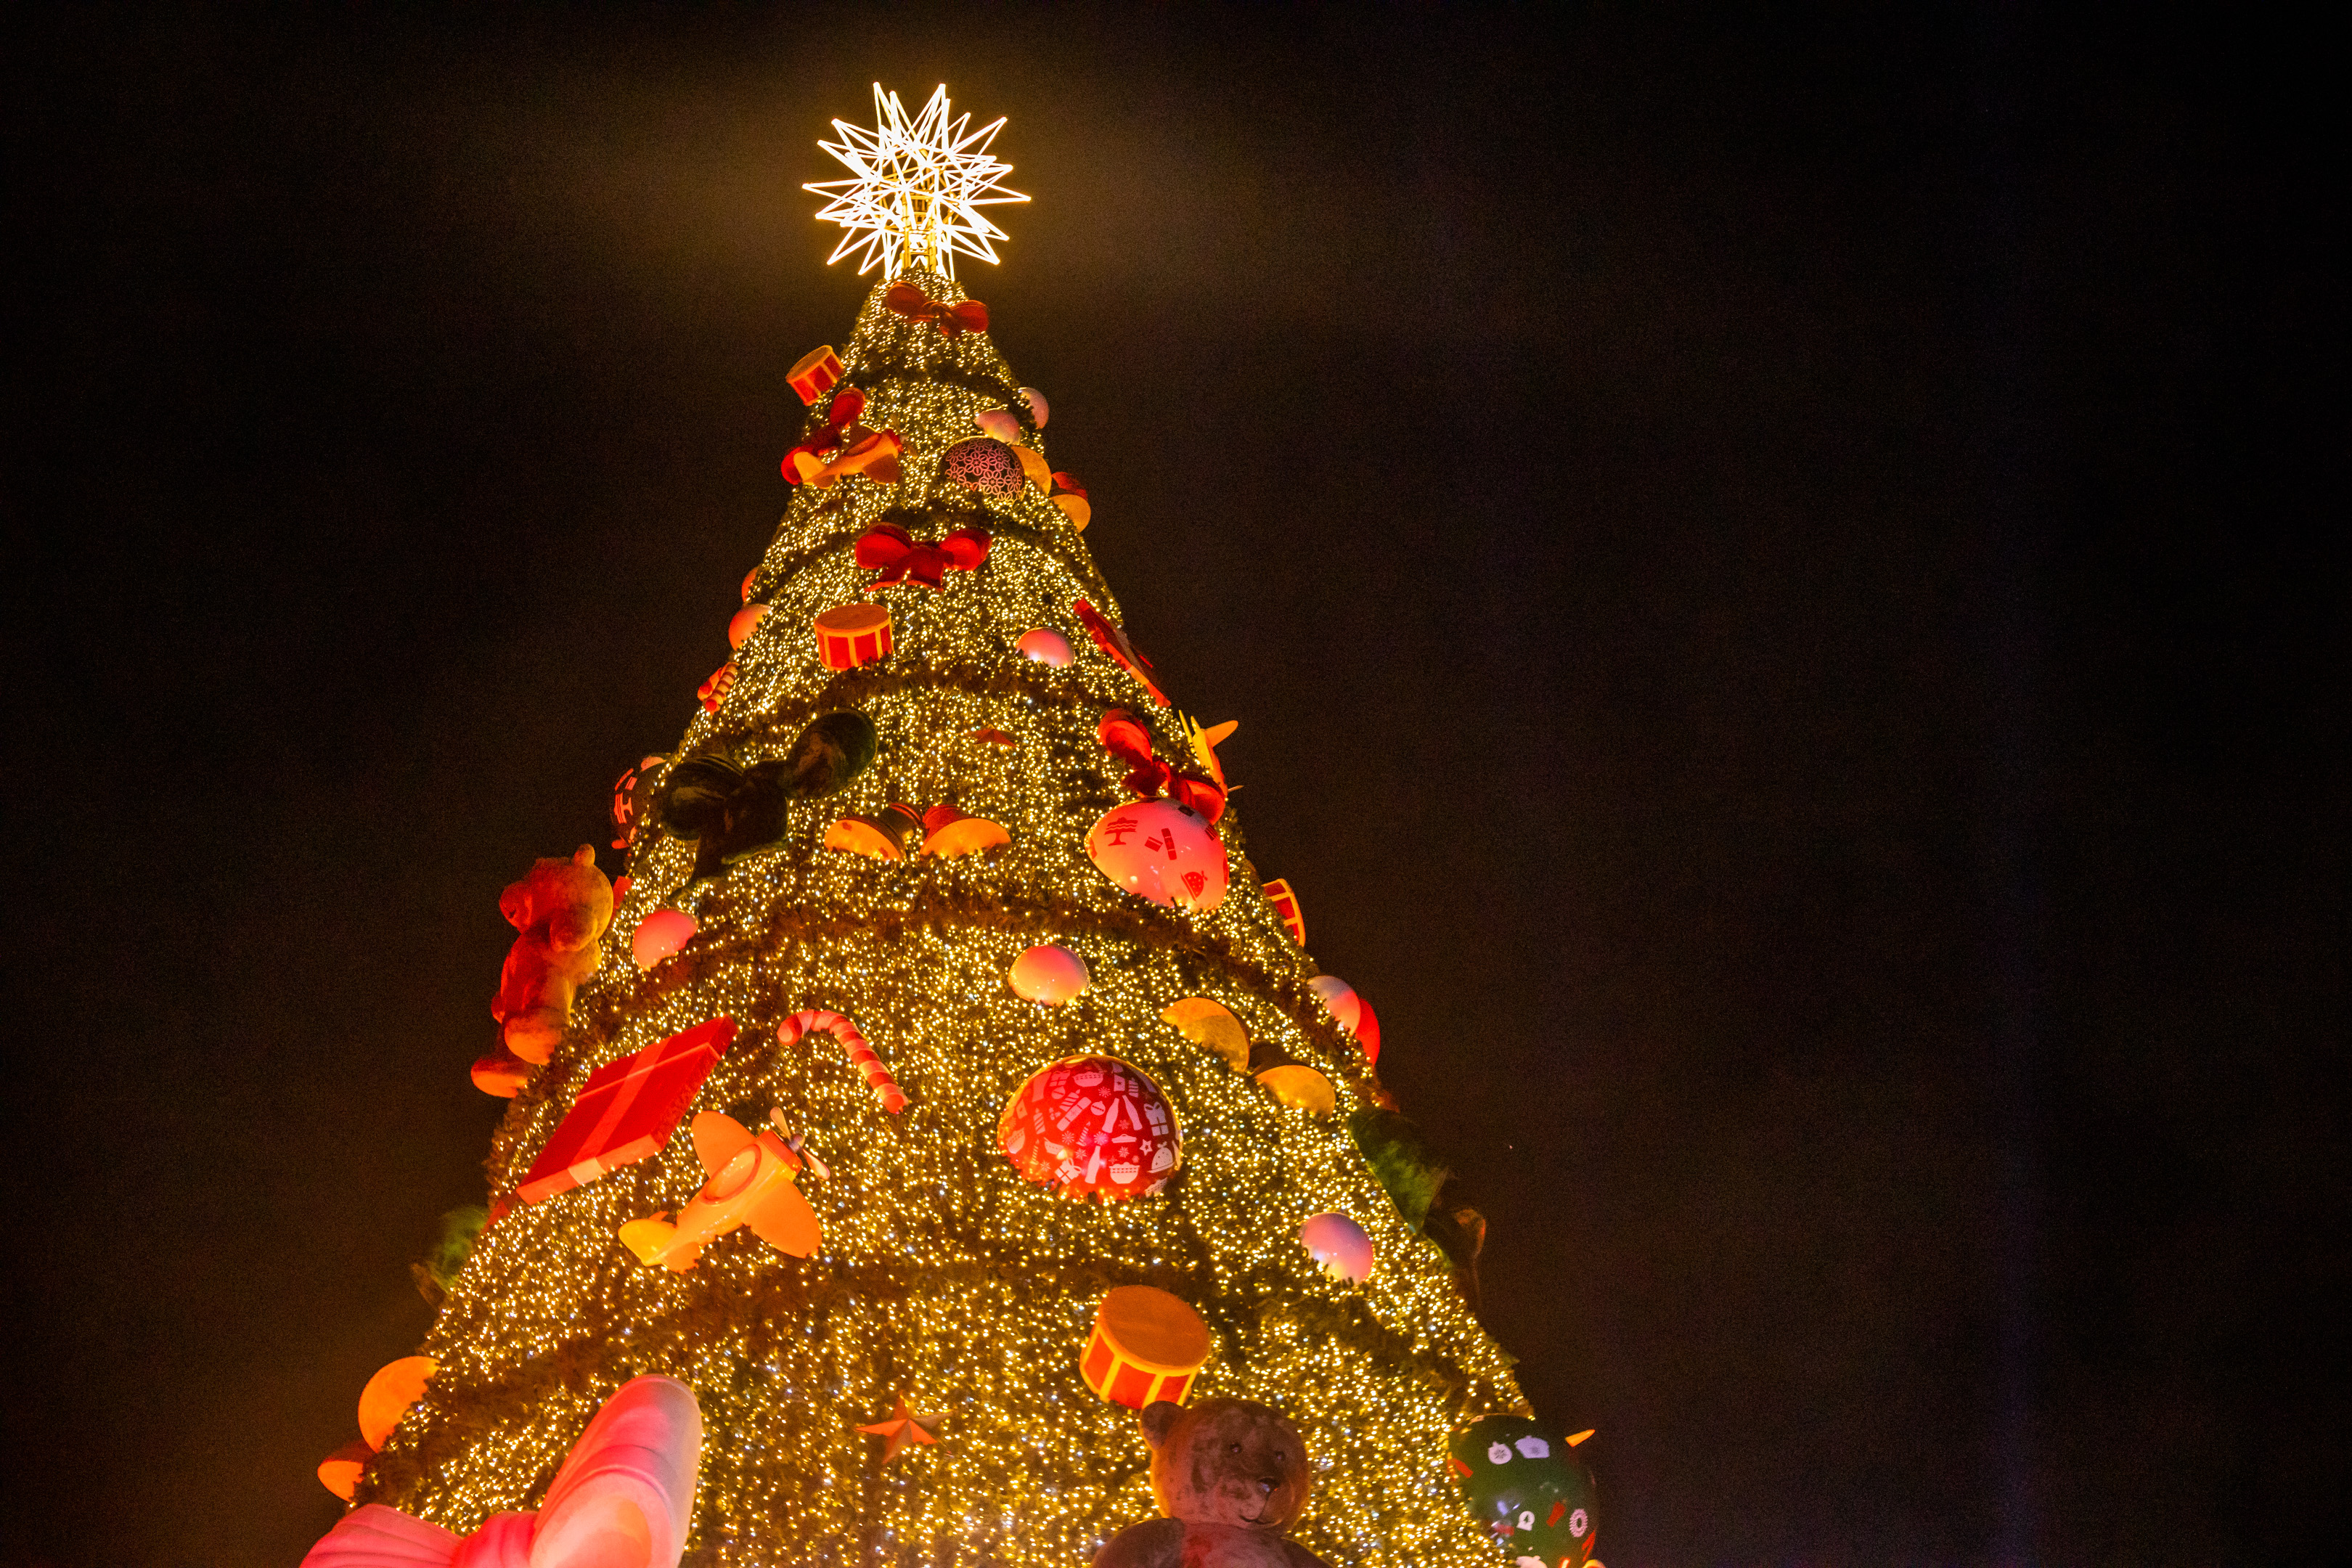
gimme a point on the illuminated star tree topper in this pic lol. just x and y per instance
(918, 189)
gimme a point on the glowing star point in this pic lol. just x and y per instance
(917, 189)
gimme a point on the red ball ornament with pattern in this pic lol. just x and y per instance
(1092, 1127)
(986, 466)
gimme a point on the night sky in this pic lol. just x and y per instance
(1769, 567)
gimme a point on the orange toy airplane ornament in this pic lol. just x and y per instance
(753, 1182)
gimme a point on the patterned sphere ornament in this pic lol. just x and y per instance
(1092, 1126)
(1519, 1482)
(1162, 851)
(985, 465)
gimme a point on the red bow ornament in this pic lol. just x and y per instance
(1123, 735)
(911, 303)
(902, 560)
(844, 448)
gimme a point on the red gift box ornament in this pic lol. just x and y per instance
(848, 635)
(903, 560)
(817, 373)
(628, 1110)
(1113, 641)
(952, 320)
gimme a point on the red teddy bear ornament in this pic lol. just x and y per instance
(560, 908)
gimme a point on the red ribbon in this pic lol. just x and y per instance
(1123, 735)
(847, 404)
(902, 560)
(911, 303)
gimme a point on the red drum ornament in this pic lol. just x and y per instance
(818, 373)
(850, 634)
(1091, 1126)
(1163, 851)
(985, 465)
(1045, 646)
(1285, 899)
(1145, 1347)
(1049, 974)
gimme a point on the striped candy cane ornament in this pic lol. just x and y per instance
(853, 1043)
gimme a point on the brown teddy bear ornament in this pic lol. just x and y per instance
(1231, 1476)
(560, 909)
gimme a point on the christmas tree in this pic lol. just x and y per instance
(939, 1002)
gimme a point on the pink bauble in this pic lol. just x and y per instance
(998, 422)
(1048, 974)
(985, 465)
(1161, 851)
(1044, 646)
(1036, 402)
(1340, 1244)
(1340, 998)
(661, 934)
(747, 621)
(1091, 1125)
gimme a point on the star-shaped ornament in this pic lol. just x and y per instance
(919, 188)
(904, 1429)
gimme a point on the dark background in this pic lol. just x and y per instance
(1768, 566)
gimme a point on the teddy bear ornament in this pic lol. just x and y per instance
(1231, 1476)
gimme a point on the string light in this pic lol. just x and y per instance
(945, 1278)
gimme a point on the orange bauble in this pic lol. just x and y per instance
(389, 1394)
